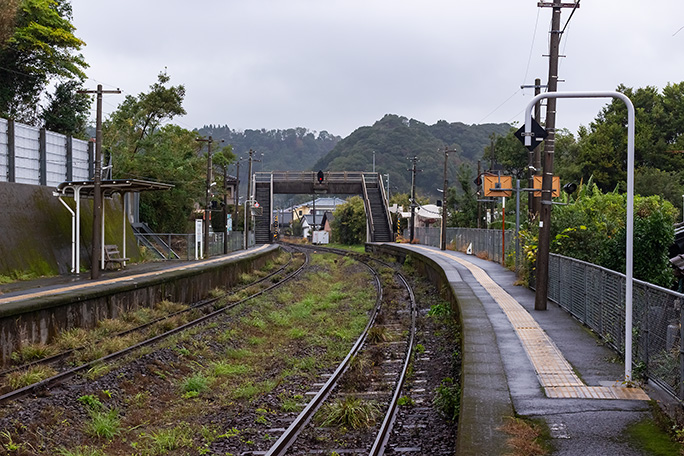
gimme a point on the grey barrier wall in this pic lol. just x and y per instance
(595, 296)
(35, 156)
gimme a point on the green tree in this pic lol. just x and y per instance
(39, 46)
(602, 148)
(463, 200)
(349, 224)
(143, 149)
(67, 112)
(138, 117)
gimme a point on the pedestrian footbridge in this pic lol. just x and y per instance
(368, 185)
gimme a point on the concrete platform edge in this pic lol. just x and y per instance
(485, 399)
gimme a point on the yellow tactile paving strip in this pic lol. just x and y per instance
(129, 278)
(555, 374)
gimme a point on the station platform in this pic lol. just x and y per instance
(58, 285)
(542, 365)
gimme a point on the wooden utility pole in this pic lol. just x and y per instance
(542, 270)
(237, 192)
(207, 208)
(250, 198)
(478, 195)
(534, 160)
(97, 184)
(413, 197)
(442, 237)
(224, 213)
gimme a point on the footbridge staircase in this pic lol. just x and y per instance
(368, 185)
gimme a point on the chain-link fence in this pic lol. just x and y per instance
(485, 243)
(596, 297)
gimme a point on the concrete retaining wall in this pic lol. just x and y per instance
(41, 319)
(36, 231)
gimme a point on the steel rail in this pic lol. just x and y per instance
(380, 443)
(291, 433)
(198, 305)
(287, 439)
(63, 376)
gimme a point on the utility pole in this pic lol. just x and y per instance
(442, 237)
(250, 197)
(224, 213)
(237, 190)
(542, 270)
(413, 197)
(207, 208)
(534, 160)
(97, 184)
(479, 203)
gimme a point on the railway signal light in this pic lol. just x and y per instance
(320, 176)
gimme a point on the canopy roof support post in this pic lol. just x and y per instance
(73, 234)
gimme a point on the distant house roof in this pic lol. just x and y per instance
(308, 220)
(327, 217)
(327, 203)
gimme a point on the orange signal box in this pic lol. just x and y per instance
(492, 182)
(555, 186)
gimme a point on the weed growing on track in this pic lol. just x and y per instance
(448, 398)
(32, 352)
(272, 344)
(104, 424)
(85, 451)
(194, 385)
(350, 412)
(19, 379)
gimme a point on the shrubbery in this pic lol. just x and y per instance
(592, 228)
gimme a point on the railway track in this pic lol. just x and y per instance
(263, 362)
(367, 382)
(150, 332)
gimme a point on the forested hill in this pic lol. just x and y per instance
(294, 149)
(394, 138)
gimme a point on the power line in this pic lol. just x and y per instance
(498, 107)
(534, 35)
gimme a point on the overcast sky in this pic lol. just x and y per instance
(337, 65)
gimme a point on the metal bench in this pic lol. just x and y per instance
(113, 257)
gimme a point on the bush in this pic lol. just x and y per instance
(349, 224)
(593, 229)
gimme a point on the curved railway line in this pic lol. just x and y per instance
(379, 371)
(385, 391)
(60, 361)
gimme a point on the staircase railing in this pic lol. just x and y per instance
(385, 203)
(370, 228)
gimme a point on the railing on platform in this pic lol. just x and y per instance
(595, 296)
(486, 243)
(182, 246)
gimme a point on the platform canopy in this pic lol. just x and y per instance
(86, 189)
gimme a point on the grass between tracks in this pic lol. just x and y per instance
(196, 392)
